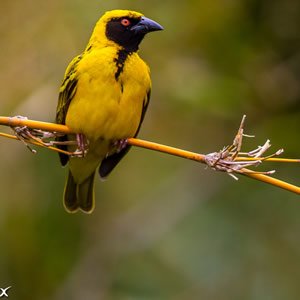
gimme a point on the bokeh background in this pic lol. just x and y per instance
(163, 228)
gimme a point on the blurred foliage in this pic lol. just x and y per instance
(163, 228)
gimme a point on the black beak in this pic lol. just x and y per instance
(146, 25)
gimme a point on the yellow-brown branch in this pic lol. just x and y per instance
(52, 127)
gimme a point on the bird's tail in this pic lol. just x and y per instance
(79, 196)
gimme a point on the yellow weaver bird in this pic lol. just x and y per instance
(103, 97)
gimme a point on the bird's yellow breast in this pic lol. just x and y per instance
(106, 107)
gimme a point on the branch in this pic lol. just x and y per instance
(227, 160)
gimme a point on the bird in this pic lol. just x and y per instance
(103, 98)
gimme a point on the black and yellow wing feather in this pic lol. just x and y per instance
(66, 94)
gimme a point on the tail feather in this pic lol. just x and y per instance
(79, 196)
(70, 198)
(85, 194)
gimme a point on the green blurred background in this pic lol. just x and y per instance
(164, 227)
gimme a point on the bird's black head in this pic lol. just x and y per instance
(128, 32)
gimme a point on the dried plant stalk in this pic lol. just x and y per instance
(227, 160)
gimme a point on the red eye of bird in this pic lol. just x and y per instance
(125, 22)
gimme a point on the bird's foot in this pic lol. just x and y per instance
(82, 145)
(121, 144)
(81, 142)
(44, 138)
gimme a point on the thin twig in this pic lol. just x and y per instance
(227, 159)
(2, 134)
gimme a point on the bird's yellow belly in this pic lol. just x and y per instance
(108, 115)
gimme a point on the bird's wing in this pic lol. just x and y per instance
(109, 163)
(66, 94)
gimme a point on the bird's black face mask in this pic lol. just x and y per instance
(129, 32)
